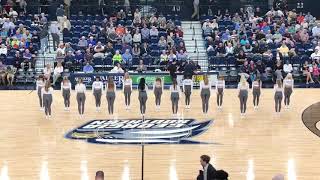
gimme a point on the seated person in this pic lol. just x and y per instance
(127, 58)
(3, 74)
(117, 58)
(98, 50)
(88, 68)
(141, 67)
(26, 59)
(117, 69)
(57, 72)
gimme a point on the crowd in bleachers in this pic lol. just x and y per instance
(123, 37)
(266, 45)
(19, 36)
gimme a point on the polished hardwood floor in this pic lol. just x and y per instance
(257, 146)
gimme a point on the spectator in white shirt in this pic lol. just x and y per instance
(13, 13)
(3, 50)
(316, 54)
(117, 69)
(316, 30)
(136, 37)
(287, 68)
(229, 49)
(57, 72)
(47, 72)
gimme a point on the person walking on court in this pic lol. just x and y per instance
(127, 89)
(143, 96)
(110, 94)
(208, 172)
(66, 92)
(288, 83)
(205, 91)
(157, 90)
(256, 92)
(278, 95)
(46, 94)
(243, 88)
(220, 86)
(81, 96)
(187, 85)
(175, 94)
(97, 89)
(39, 85)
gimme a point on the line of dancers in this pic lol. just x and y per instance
(281, 89)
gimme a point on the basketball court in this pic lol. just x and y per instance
(254, 147)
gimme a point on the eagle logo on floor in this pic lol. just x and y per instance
(137, 131)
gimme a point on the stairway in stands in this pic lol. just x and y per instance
(48, 57)
(195, 43)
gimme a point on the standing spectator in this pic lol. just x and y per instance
(43, 35)
(60, 14)
(195, 9)
(54, 31)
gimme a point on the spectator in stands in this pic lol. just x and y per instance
(3, 50)
(18, 59)
(229, 49)
(109, 51)
(182, 56)
(94, 32)
(226, 36)
(57, 72)
(141, 67)
(127, 37)
(135, 51)
(162, 42)
(314, 56)
(35, 38)
(287, 68)
(241, 58)
(207, 30)
(127, 58)
(26, 59)
(98, 50)
(47, 72)
(120, 30)
(92, 41)
(66, 25)
(315, 72)
(68, 48)
(3, 74)
(179, 31)
(79, 57)
(307, 70)
(145, 33)
(154, 31)
(112, 37)
(8, 25)
(136, 37)
(61, 49)
(117, 68)
(83, 43)
(69, 60)
(163, 58)
(137, 17)
(54, 31)
(284, 50)
(121, 15)
(88, 56)
(221, 51)
(145, 49)
(13, 14)
(88, 68)
(43, 36)
(59, 57)
(117, 58)
(60, 14)
(247, 48)
(172, 56)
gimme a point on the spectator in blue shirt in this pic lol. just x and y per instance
(78, 57)
(88, 68)
(91, 41)
(127, 58)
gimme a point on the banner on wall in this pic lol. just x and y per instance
(89, 78)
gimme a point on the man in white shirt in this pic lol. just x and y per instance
(57, 72)
(316, 54)
(287, 68)
(3, 50)
(316, 30)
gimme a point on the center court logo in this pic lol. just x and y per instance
(137, 131)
